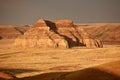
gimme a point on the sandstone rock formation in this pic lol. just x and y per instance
(56, 34)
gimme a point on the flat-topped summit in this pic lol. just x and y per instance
(57, 23)
(56, 34)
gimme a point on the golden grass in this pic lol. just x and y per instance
(33, 61)
(108, 71)
(55, 60)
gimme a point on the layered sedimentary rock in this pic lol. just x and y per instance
(56, 34)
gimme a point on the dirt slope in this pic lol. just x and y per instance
(6, 76)
(109, 71)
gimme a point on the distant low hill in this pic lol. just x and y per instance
(109, 33)
(11, 32)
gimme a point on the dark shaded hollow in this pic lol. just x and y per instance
(1, 37)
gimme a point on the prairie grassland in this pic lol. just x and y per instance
(32, 61)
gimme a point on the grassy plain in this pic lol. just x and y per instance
(28, 62)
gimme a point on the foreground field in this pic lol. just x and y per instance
(29, 62)
(107, 71)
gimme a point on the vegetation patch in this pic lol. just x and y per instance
(99, 35)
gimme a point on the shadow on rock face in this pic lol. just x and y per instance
(70, 41)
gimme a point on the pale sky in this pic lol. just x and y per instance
(80, 11)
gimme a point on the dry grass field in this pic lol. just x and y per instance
(33, 61)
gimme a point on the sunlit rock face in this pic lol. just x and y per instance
(56, 34)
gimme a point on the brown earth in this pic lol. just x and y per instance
(5, 76)
(108, 33)
(56, 34)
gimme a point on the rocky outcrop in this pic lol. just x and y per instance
(56, 34)
(88, 40)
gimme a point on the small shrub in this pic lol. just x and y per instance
(27, 25)
(99, 35)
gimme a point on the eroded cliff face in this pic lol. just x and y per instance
(56, 34)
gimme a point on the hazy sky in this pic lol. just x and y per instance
(80, 11)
